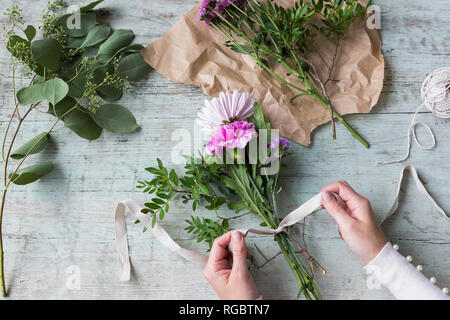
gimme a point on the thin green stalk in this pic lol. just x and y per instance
(354, 133)
(257, 59)
(247, 39)
(2, 265)
(260, 23)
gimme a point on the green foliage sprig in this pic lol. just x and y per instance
(79, 71)
(194, 186)
(206, 229)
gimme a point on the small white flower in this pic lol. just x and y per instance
(225, 109)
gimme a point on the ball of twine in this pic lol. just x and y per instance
(436, 98)
(436, 92)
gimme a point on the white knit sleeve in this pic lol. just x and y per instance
(402, 279)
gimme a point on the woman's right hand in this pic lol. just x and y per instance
(357, 224)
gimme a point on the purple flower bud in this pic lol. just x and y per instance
(283, 141)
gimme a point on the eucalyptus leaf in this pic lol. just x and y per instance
(13, 41)
(75, 43)
(90, 6)
(96, 35)
(25, 148)
(78, 120)
(76, 88)
(87, 22)
(47, 52)
(107, 92)
(82, 124)
(38, 79)
(30, 32)
(119, 39)
(30, 95)
(133, 47)
(32, 173)
(55, 90)
(78, 80)
(115, 118)
(133, 67)
(90, 52)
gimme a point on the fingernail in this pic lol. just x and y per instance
(237, 236)
(326, 196)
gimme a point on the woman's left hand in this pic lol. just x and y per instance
(230, 282)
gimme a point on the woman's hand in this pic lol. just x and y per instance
(357, 224)
(230, 282)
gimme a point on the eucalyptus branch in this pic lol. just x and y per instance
(51, 59)
(16, 132)
(37, 142)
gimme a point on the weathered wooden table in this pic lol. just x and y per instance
(66, 219)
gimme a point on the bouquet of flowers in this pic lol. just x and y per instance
(271, 34)
(239, 168)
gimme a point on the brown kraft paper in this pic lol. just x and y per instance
(193, 53)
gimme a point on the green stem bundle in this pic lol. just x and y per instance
(255, 23)
(267, 211)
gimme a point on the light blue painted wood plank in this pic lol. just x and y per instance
(66, 218)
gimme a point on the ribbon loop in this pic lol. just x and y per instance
(421, 189)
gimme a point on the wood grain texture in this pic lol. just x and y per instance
(66, 218)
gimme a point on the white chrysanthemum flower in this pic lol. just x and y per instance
(225, 109)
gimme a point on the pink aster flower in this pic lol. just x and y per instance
(225, 109)
(233, 135)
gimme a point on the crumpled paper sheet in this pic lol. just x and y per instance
(193, 53)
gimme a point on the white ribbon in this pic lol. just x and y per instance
(158, 232)
(309, 207)
(294, 217)
(419, 186)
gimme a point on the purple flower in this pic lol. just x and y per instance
(233, 135)
(208, 8)
(283, 141)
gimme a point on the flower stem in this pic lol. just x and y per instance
(343, 121)
(305, 281)
(2, 269)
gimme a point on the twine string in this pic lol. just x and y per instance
(435, 94)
